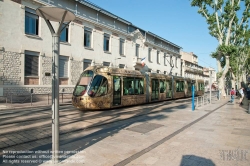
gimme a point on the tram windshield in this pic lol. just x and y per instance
(98, 87)
(83, 83)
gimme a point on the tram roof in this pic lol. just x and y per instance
(112, 70)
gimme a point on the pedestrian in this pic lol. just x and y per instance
(241, 92)
(232, 93)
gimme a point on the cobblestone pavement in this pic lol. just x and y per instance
(171, 135)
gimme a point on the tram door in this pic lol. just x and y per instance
(116, 90)
(155, 89)
(169, 89)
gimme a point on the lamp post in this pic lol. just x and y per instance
(62, 16)
(210, 83)
(193, 90)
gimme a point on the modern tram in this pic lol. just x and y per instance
(101, 87)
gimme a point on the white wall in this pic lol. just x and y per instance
(14, 39)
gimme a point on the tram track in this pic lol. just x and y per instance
(45, 130)
(91, 119)
(32, 115)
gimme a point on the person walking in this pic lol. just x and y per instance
(232, 93)
(241, 92)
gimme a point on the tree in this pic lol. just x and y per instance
(226, 27)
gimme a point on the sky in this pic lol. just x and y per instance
(174, 20)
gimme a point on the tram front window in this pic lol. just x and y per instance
(83, 83)
(98, 87)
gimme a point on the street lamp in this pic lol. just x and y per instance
(62, 16)
(210, 83)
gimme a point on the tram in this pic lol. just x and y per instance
(101, 87)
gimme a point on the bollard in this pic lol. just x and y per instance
(31, 92)
(197, 103)
(62, 94)
(31, 99)
(249, 107)
(48, 98)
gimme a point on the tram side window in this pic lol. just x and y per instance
(138, 86)
(201, 87)
(179, 86)
(141, 86)
(162, 86)
(133, 86)
(128, 85)
(189, 87)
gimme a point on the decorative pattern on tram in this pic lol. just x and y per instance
(102, 88)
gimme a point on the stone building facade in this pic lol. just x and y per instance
(191, 69)
(96, 36)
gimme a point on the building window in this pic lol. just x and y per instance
(86, 63)
(165, 72)
(31, 68)
(106, 63)
(149, 55)
(63, 70)
(64, 37)
(157, 57)
(176, 61)
(165, 59)
(87, 37)
(31, 22)
(122, 41)
(137, 50)
(106, 42)
(157, 71)
(121, 66)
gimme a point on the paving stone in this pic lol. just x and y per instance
(196, 145)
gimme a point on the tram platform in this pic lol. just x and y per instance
(170, 135)
(216, 134)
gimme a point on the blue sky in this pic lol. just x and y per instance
(173, 20)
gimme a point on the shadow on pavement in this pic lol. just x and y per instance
(195, 160)
(78, 139)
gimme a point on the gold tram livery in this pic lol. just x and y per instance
(102, 87)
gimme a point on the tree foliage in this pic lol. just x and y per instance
(228, 22)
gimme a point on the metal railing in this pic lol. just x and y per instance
(205, 99)
(31, 99)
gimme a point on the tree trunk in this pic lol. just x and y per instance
(244, 77)
(222, 78)
(233, 81)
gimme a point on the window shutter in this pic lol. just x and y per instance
(63, 66)
(31, 63)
